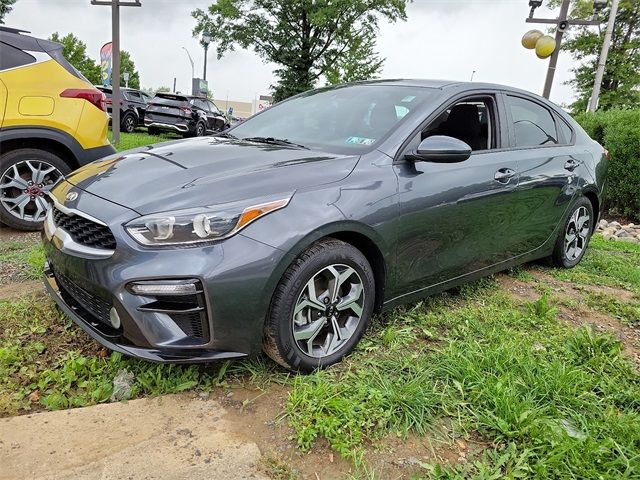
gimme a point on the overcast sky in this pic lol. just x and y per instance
(444, 39)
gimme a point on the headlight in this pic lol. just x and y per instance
(199, 225)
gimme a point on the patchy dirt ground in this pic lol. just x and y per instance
(580, 314)
(237, 433)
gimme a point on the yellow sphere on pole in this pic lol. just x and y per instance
(545, 46)
(530, 39)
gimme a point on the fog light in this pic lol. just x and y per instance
(164, 289)
(114, 318)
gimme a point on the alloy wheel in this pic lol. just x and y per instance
(23, 189)
(200, 130)
(328, 310)
(577, 233)
(129, 124)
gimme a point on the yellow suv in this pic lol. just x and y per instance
(52, 121)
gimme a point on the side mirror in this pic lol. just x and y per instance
(440, 149)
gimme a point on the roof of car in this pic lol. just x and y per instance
(446, 84)
(17, 38)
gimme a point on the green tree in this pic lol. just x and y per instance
(307, 40)
(127, 65)
(5, 7)
(621, 83)
(75, 51)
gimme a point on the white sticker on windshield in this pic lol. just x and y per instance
(360, 141)
(408, 98)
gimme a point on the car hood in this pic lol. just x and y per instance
(206, 171)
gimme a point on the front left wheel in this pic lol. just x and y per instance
(321, 307)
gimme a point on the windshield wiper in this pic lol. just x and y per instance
(274, 141)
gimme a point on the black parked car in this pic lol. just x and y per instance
(132, 107)
(290, 230)
(188, 115)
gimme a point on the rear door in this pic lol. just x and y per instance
(136, 101)
(218, 117)
(549, 163)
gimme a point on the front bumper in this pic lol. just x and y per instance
(236, 277)
(92, 327)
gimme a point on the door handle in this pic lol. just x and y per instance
(504, 175)
(571, 165)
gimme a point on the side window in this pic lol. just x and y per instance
(471, 120)
(202, 104)
(213, 108)
(13, 57)
(134, 96)
(567, 132)
(533, 124)
(145, 98)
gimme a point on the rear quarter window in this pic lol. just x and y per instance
(13, 57)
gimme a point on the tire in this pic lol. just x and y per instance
(574, 237)
(19, 167)
(314, 348)
(200, 130)
(129, 123)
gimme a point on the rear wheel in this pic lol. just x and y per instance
(321, 307)
(201, 129)
(129, 123)
(26, 176)
(574, 238)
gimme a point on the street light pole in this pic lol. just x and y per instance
(553, 62)
(597, 85)
(193, 68)
(562, 23)
(115, 67)
(206, 40)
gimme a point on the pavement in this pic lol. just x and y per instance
(171, 437)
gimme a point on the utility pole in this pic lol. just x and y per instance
(597, 85)
(115, 67)
(562, 23)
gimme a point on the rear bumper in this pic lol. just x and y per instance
(111, 341)
(179, 127)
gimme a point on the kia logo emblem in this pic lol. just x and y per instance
(71, 196)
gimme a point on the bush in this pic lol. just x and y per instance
(619, 132)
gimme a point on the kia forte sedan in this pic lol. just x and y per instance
(288, 232)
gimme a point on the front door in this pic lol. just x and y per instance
(456, 218)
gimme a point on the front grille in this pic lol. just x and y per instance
(76, 296)
(84, 231)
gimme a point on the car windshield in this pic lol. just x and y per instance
(348, 119)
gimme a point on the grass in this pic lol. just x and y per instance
(608, 263)
(569, 408)
(141, 138)
(23, 257)
(547, 400)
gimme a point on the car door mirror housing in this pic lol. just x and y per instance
(440, 149)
